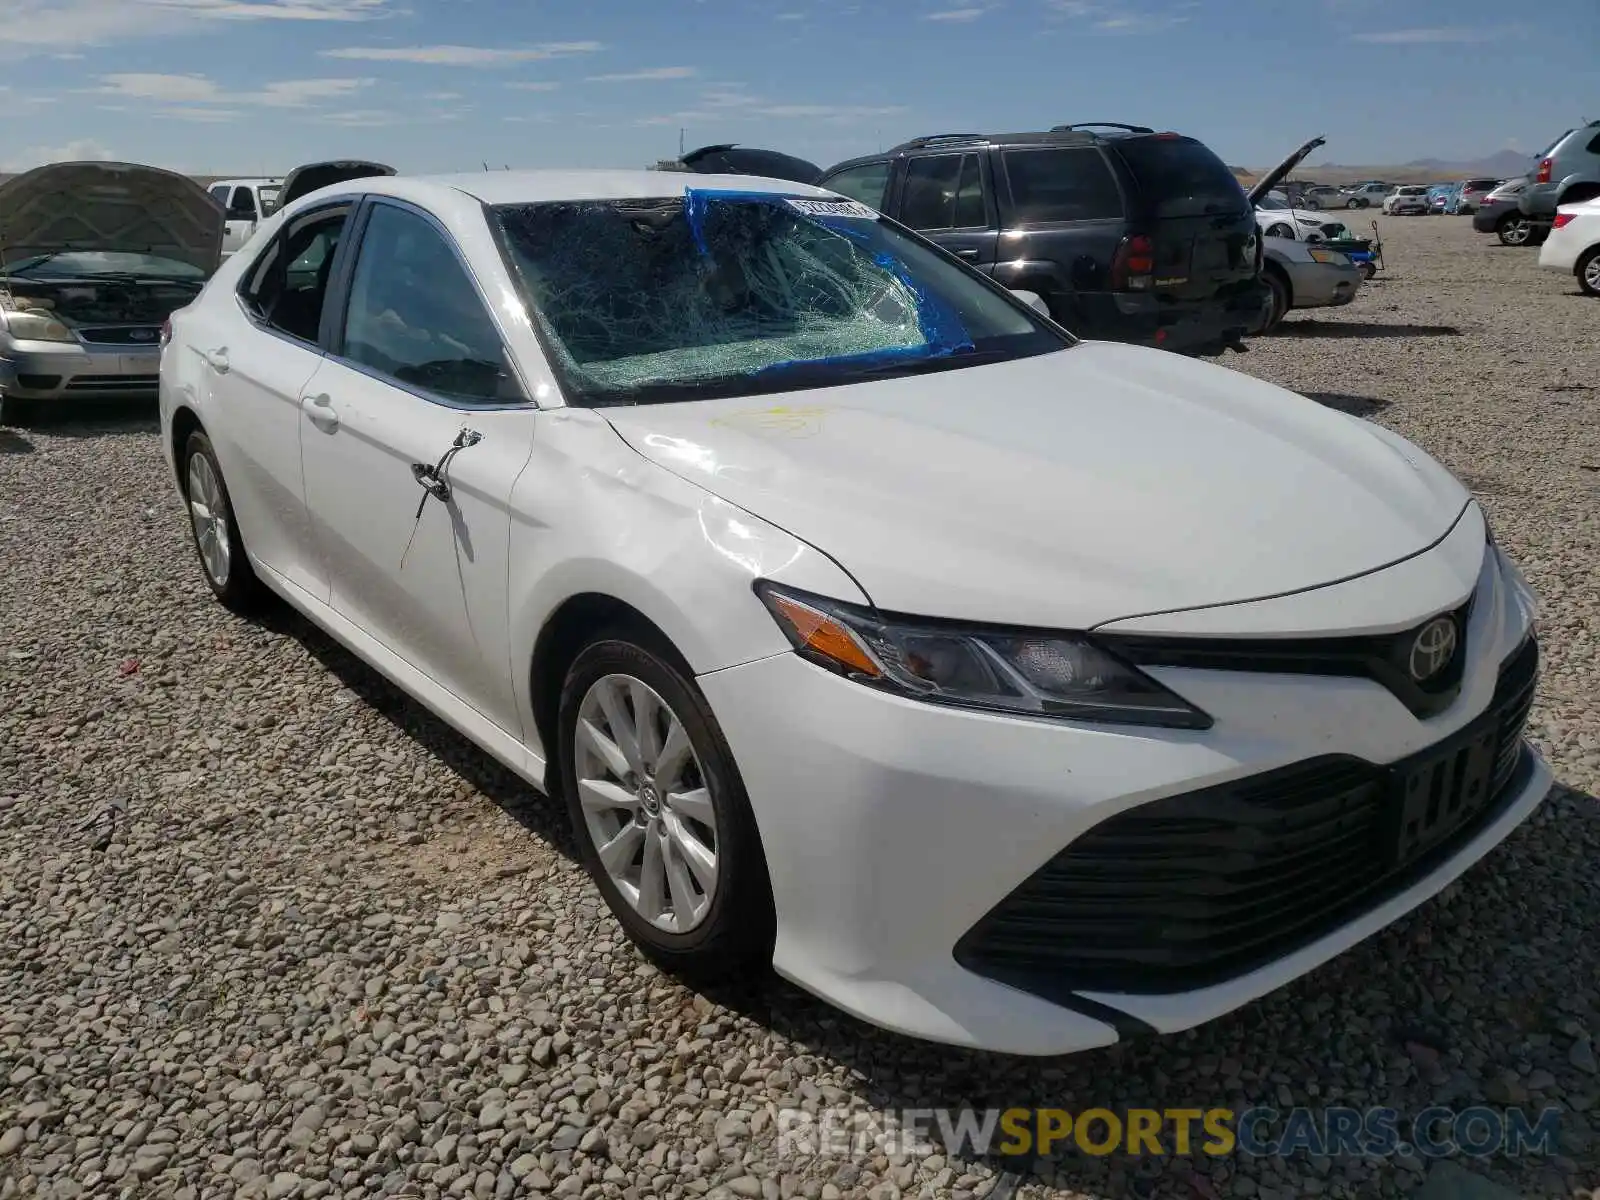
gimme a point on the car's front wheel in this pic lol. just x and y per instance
(1352, 203)
(217, 541)
(1588, 272)
(1279, 307)
(662, 820)
(1280, 231)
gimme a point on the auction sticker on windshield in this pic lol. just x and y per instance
(833, 208)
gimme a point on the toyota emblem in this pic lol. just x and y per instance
(1434, 647)
(142, 335)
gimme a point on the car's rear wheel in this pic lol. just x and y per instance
(1514, 229)
(1352, 203)
(1588, 272)
(663, 824)
(1279, 308)
(217, 541)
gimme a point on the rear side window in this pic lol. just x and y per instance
(1180, 177)
(1061, 185)
(944, 192)
(1594, 144)
(865, 183)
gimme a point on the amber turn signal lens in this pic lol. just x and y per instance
(821, 634)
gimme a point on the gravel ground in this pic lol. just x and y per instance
(270, 931)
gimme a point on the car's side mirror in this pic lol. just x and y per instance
(1032, 299)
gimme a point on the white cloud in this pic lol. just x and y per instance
(357, 117)
(83, 150)
(200, 90)
(39, 26)
(828, 112)
(955, 15)
(210, 116)
(441, 95)
(464, 56)
(525, 85)
(1114, 18)
(647, 75)
(790, 16)
(1423, 37)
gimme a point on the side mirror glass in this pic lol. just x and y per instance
(1032, 299)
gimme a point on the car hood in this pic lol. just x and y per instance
(1064, 490)
(1272, 178)
(312, 177)
(108, 206)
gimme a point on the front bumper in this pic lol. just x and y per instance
(893, 829)
(1323, 285)
(69, 371)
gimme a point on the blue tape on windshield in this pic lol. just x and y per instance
(940, 325)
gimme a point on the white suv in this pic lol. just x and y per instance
(1365, 196)
(1406, 200)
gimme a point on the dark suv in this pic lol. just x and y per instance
(1128, 234)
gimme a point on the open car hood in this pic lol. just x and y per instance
(109, 207)
(1274, 177)
(311, 177)
(742, 160)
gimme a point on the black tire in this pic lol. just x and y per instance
(734, 939)
(1353, 203)
(1588, 271)
(238, 588)
(1281, 300)
(1281, 231)
(1514, 229)
(17, 412)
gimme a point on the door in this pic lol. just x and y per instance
(414, 434)
(1068, 201)
(261, 355)
(949, 199)
(242, 216)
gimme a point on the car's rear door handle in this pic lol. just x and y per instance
(319, 411)
(968, 252)
(217, 359)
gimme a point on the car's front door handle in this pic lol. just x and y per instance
(217, 359)
(968, 253)
(319, 411)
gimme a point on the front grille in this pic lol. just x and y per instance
(123, 335)
(1194, 889)
(1382, 658)
(113, 383)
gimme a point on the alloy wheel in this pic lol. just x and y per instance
(646, 804)
(1591, 275)
(208, 512)
(1516, 231)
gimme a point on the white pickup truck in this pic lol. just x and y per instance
(248, 202)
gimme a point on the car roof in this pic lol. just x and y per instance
(533, 187)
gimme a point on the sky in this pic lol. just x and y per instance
(257, 86)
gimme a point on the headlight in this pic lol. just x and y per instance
(1060, 675)
(1331, 257)
(1308, 220)
(36, 325)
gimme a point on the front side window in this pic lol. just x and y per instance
(1061, 185)
(219, 193)
(710, 295)
(415, 315)
(865, 183)
(243, 203)
(944, 192)
(288, 286)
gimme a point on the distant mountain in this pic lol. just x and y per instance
(1502, 164)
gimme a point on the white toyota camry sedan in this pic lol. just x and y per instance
(1004, 689)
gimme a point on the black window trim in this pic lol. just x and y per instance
(297, 221)
(1002, 175)
(337, 304)
(985, 183)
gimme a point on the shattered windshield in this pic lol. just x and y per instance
(736, 293)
